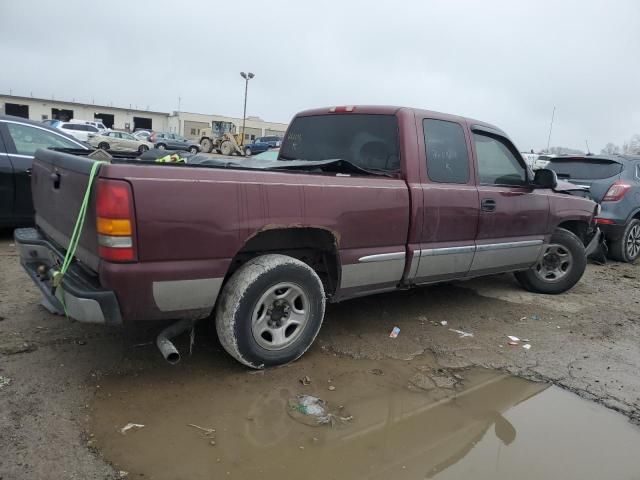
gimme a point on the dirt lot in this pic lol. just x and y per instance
(66, 389)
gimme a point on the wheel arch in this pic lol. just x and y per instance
(578, 226)
(315, 246)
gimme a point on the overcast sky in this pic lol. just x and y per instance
(507, 62)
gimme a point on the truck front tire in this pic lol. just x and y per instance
(270, 311)
(560, 267)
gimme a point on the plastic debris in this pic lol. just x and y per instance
(305, 380)
(129, 426)
(523, 319)
(461, 333)
(331, 388)
(526, 346)
(512, 338)
(514, 344)
(206, 431)
(394, 333)
(314, 411)
(535, 317)
(4, 381)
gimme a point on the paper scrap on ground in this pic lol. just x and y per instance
(444, 323)
(129, 426)
(461, 333)
(526, 346)
(394, 333)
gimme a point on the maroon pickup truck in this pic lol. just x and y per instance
(361, 200)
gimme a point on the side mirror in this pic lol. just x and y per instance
(545, 178)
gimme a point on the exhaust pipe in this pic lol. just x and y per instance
(164, 343)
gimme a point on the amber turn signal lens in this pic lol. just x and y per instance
(113, 226)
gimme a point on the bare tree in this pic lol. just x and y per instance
(610, 149)
(632, 147)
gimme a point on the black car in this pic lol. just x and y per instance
(19, 140)
(614, 182)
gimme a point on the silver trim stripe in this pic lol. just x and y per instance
(500, 246)
(447, 251)
(382, 257)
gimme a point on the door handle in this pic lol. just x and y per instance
(488, 205)
(28, 171)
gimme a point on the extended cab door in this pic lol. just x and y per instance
(513, 216)
(450, 205)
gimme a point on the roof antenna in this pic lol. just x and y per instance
(553, 114)
(587, 144)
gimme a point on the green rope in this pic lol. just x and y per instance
(75, 236)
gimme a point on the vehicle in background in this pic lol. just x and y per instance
(19, 140)
(173, 141)
(541, 161)
(222, 138)
(614, 182)
(273, 141)
(256, 147)
(96, 123)
(361, 200)
(268, 155)
(80, 131)
(146, 135)
(118, 141)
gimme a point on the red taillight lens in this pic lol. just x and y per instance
(115, 221)
(113, 199)
(604, 221)
(616, 192)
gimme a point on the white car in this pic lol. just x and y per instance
(96, 123)
(80, 131)
(119, 141)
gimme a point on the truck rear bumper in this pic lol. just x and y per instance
(80, 293)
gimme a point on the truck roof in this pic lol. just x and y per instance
(393, 109)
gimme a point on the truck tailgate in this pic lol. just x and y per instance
(58, 183)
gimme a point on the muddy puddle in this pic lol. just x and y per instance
(389, 419)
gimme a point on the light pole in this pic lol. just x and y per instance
(247, 77)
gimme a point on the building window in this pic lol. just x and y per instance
(193, 131)
(45, 117)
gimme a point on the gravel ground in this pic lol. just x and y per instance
(586, 341)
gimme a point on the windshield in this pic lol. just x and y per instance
(367, 141)
(592, 169)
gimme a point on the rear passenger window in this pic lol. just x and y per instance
(446, 148)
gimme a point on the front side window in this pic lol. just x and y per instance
(365, 140)
(497, 164)
(29, 139)
(446, 149)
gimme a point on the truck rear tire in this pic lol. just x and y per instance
(560, 267)
(270, 311)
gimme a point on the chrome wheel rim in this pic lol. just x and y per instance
(279, 316)
(556, 263)
(633, 242)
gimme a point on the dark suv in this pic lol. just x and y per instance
(614, 182)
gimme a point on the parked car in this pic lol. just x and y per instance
(273, 141)
(614, 182)
(19, 140)
(146, 135)
(255, 147)
(542, 161)
(80, 131)
(118, 141)
(361, 200)
(173, 141)
(95, 123)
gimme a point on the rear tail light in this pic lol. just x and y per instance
(115, 221)
(616, 192)
(604, 221)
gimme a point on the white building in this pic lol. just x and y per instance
(187, 124)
